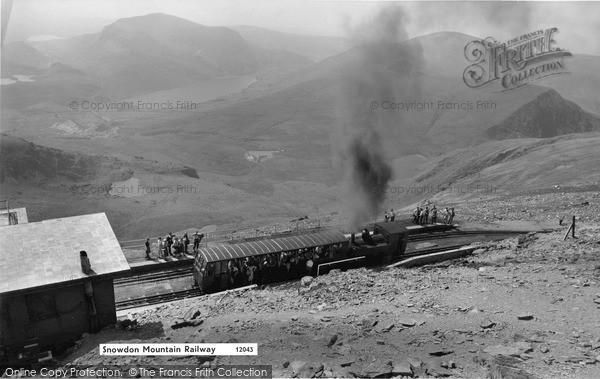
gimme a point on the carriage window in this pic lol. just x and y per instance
(210, 269)
(224, 267)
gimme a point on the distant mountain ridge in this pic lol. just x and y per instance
(548, 115)
(142, 54)
(314, 47)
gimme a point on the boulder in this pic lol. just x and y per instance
(306, 281)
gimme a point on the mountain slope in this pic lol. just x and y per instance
(548, 115)
(19, 58)
(505, 167)
(154, 52)
(314, 47)
(303, 110)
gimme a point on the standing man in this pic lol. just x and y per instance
(446, 215)
(385, 217)
(196, 241)
(169, 241)
(433, 215)
(392, 215)
(426, 215)
(161, 248)
(148, 249)
(451, 216)
(186, 242)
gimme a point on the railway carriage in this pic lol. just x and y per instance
(226, 266)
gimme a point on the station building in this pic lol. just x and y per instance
(46, 299)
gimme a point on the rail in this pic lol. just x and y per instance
(336, 264)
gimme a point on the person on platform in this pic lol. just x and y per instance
(176, 246)
(415, 215)
(426, 216)
(147, 244)
(451, 216)
(161, 248)
(196, 241)
(386, 217)
(169, 242)
(433, 215)
(186, 242)
(392, 214)
(446, 215)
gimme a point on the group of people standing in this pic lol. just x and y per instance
(171, 245)
(389, 216)
(420, 215)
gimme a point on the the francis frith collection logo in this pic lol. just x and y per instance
(516, 62)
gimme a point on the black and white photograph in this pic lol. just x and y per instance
(300, 189)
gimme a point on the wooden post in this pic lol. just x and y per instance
(571, 229)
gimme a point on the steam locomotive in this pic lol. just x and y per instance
(228, 266)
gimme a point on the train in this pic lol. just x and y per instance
(227, 266)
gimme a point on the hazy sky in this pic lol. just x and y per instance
(577, 21)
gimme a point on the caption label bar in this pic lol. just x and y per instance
(178, 349)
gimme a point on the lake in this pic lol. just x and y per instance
(16, 78)
(199, 92)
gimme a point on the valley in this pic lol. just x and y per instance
(261, 135)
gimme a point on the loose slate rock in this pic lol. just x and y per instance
(502, 350)
(487, 324)
(306, 281)
(525, 316)
(407, 323)
(297, 366)
(333, 340)
(187, 323)
(439, 353)
(378, 369)
(402, 368)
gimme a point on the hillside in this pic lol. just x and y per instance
(581, 84)
(270, 151)
(314, 47)
(548, 115)
(21, 59)
(154, 52)
(510, 167)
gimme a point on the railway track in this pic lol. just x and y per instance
(154, 276)
(195, 292)
(158, 299)
(458, 233)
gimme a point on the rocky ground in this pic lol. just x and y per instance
(526, 307)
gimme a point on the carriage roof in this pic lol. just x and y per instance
(247, 249)
(393, 227)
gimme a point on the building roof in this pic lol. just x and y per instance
(45, 253)
(274, 245)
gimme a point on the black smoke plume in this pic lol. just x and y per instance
(368, 80)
